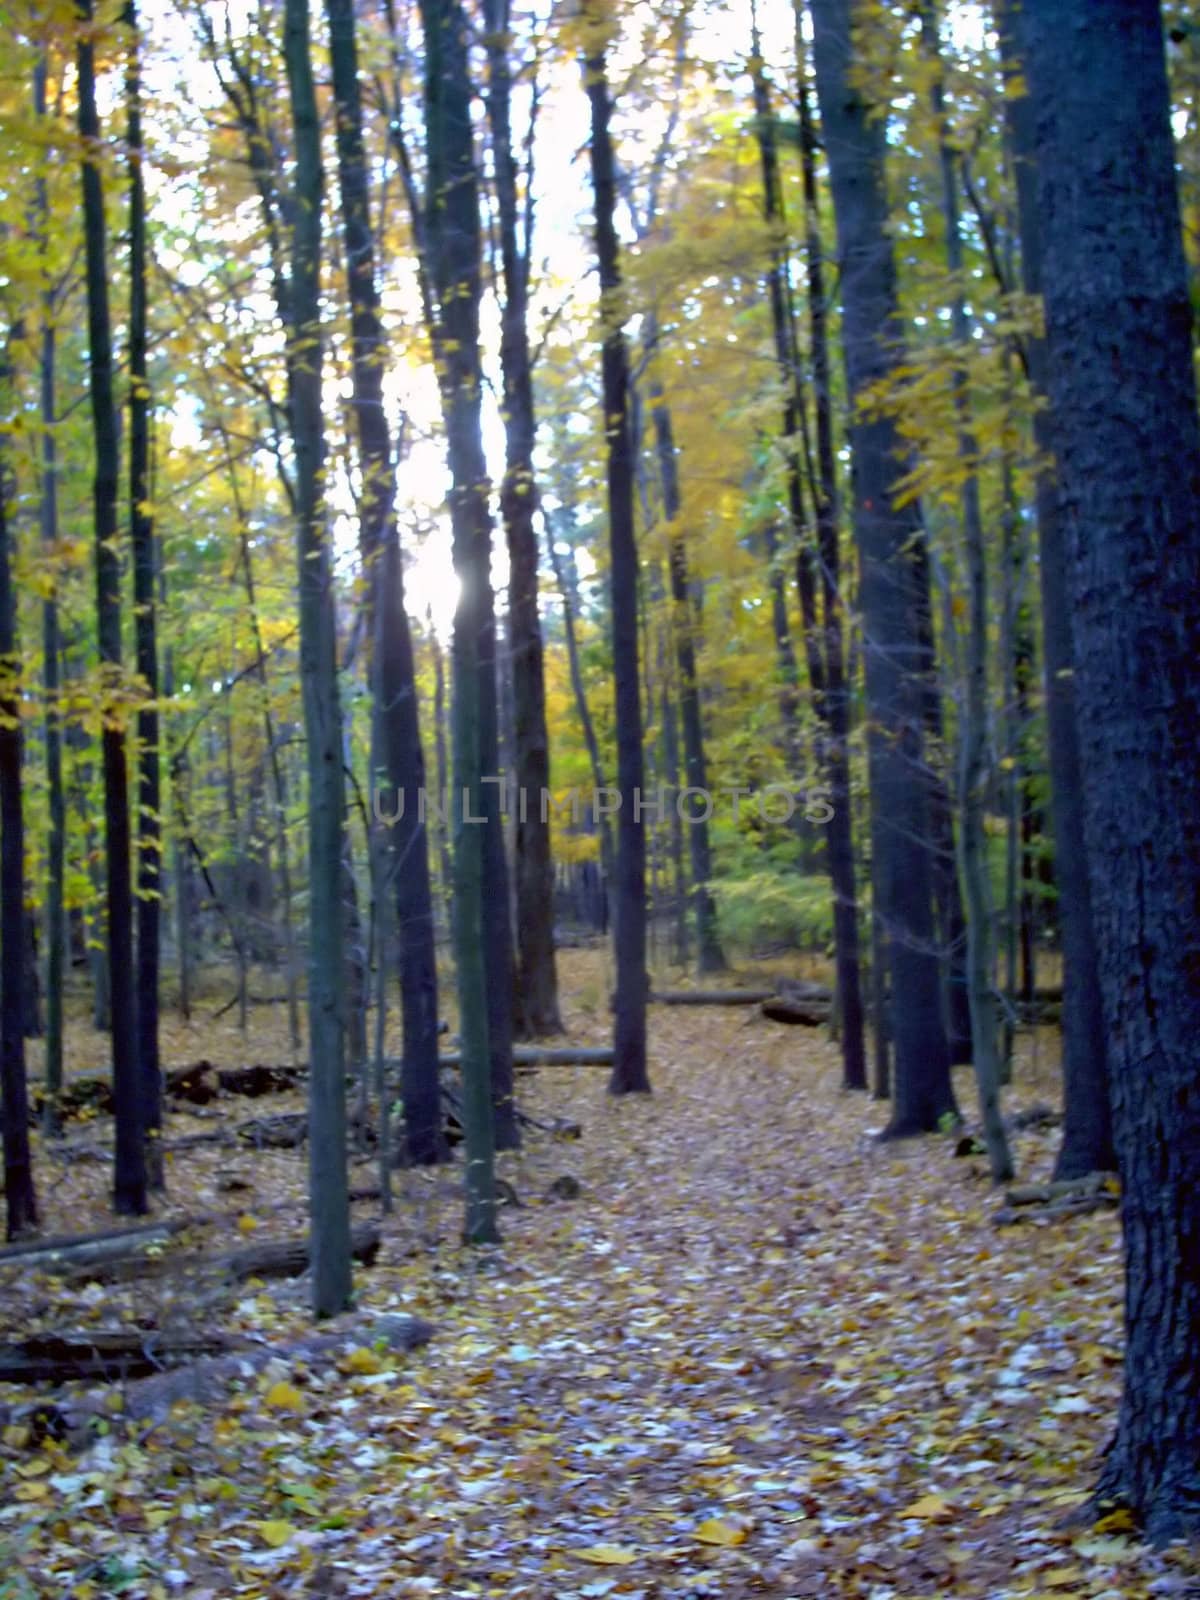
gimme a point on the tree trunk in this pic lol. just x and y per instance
(535, 994)
(497, 917)
(973, 729)
(51, 668)
(835, 702)
(1087, 1141)
(1127, 442)
(629, 1075)
(890, 587)
(129, 1169)
(329, 1205)
(20, 1196)
(453, 229)
(141, 523)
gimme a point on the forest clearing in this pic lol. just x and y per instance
(759, 1354)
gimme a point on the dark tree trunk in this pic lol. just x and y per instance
(398, 737)
(329, 1204)
(19, 1194)
(443, 766)
(141, 523)
(889, 595)
(1087, 1142)
(129, 1169)
(535, 1010)
(51, 671)
(1127, 442)
(629, 1074)
(452, 224)
(709, 955)
(835, 702)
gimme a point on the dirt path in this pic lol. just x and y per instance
(759, 1355)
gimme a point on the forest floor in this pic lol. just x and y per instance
(759, 1354)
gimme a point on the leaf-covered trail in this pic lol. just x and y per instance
(759, 1355)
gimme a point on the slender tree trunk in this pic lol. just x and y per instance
(497, 911)
(709, 955)
(1127, 443)
(890, 588)
(51, 667)
(835, 702)
(19, 1193)
(535, 1010)
(443, 767)
(452, 226)
(328, 1199)
(129, 1171)
(141, 522)
(1087, 1143)
(629, 1074)
(973, 731)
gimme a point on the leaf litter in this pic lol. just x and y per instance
(760, 1354)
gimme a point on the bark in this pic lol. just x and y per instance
(452, 227)
(835, 702)
(890, 586)
(19, 1194)
(51, 668)
(398, 734)
(497, 920)
(329, 1205)
(1127, 444)
(1087, 1143)
(129, 1169)
(141, 523)
(629, 1075)
(973, 730)
(535, 993)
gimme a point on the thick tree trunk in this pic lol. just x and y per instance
(329, 1205)
(535, 1009)
(19, 1194)
(51, 669)
(452, 222)
(629, 1075)
(1127, 443)
(890, 588)
(141, 522)
(1087, 1141)
(129, 1169)
(835, 702)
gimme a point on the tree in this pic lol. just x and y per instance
(129, 1169)
(19, 1193)
(398, 733)
(1087, 1143)
(141, 524)
(1127, 446)
(629, 1074)
(329, 1204)
(892, 576)
(452, 221)
(535, 1011)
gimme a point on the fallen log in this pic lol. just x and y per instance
(710, 997)
(196, 1084)
(282, 1132)
(528, 1055)
(1069, 1206)
(272, 1258)
(111, 1354)
(255, 1081)
(1040, 1194)
(805, 989)
(805, 1013)
(70, 1250)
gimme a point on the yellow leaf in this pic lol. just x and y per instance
(607, 1555)
(1119, 1521)
(246, 1223)
(1061, 1577)
(283, 1396)
(714, 1531)
(929, 1508)
(360, 1359)
(274, 1533)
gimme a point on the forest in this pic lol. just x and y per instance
(599, 824)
